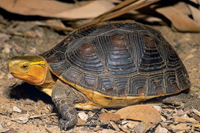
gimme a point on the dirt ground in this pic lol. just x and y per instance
(24, 109)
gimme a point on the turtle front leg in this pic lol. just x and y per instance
(64, 98)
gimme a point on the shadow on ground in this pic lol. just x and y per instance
(27, 91)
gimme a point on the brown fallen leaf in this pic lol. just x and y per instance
(144, 113)
(57, 9)
(195, 13)
(182, 119)
(106, 117)
(129, 124)
(80, 121)
(180, 21)
(114, 126)
(120, 9)
(180, 127)
(54, 24)
(195, 114)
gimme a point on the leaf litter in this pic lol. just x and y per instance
(184, 16)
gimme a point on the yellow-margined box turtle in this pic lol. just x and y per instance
(110, 64)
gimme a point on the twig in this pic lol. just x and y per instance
(93, 124)
(37, 116)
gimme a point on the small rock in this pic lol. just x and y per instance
(107, 131)
(21, 118)
(83, 116)
(33, 50)
(90, 114)
(16, 109)
(160, 129)
(2, 75)
(39, 33)
(12, 130)
(9, 76)
(4, 36)
(6, 49)
(8, 124)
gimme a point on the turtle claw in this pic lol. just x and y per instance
(64, 124)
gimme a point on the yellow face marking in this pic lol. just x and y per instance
(38, 63)
(31, 69)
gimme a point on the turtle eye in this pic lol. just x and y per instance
(24, 66)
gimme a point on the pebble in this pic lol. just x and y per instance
(6, 49)
(2, 75)
(16, 109)
(21, 118)
(160, 129)
(90, 114)
(33, 50)
(83, 116)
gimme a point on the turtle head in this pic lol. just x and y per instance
(32, 69)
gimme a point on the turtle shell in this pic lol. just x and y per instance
(118, 60)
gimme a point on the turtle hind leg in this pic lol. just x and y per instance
(186, 100)
(64, 98)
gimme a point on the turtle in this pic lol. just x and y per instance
(104, 65)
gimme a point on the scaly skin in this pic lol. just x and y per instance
(65, 97)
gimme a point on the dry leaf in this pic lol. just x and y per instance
(130, 124)
(194, 113)
(178, 119)
(54, 24)
(179, 20)
(57, 9)
(80, 121)
(114, 126)
(144, 113)
(122, 8)
(91, 10)
(180, 127)
(106, 117)
(195, 13)
(46, 8)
